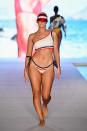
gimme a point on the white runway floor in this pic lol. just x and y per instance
(68, 107)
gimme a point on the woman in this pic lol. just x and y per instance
(56, 23)
(40, 65)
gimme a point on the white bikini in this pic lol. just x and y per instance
(46, 42)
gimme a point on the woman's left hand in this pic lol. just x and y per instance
(58, 73)
(26, 74)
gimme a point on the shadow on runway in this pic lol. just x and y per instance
(46, 128)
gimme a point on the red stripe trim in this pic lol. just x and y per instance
(42, 19)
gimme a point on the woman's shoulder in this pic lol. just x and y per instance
(49, 30)
(32, 35)
(52, 31)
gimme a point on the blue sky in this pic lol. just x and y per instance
(67, 7)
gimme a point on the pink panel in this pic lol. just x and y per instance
(26, 12)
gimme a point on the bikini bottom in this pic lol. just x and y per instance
(40, 68)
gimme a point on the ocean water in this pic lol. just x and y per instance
(74, 45)
(76, 29)
(7, 23)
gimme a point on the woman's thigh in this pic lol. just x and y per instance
(47, 80)
(35, 78)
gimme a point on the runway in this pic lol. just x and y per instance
(67, 109)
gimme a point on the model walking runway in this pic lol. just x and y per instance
(67, 110)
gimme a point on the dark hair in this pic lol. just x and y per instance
(56, 8)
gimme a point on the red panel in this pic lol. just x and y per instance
(26, 12)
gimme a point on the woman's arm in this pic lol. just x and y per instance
(28, 56)
(64, 26)
(56, 52)
(29, 49)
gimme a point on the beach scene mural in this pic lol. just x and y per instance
(74, 45)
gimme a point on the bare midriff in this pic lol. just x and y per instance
(43, 56)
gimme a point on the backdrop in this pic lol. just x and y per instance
(17, 21)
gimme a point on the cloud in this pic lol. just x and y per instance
(66, 7)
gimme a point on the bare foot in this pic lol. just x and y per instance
(42, 123)
(45, 110)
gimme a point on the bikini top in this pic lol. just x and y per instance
(46, 42)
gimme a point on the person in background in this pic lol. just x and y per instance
(39, 67)
(57, 24)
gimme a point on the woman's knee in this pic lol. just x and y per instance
(46, 98)
(36, 95)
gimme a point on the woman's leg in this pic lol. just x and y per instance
(35, 79)
(47, 81)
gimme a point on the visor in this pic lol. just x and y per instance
(42, 17)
